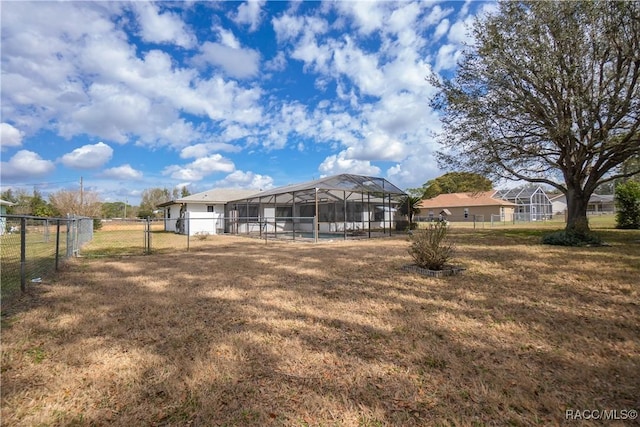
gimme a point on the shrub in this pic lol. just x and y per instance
(402, 225)
(430, 247)
(564, 238)
(201, 235)
(97, 224)
(628, 204)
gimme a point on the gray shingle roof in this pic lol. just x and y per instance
(215, 195)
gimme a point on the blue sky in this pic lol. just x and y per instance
(135, 95)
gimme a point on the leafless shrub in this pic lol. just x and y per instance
(430, 247)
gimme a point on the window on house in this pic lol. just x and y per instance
(284, 212)
(466, 212)
(308, 210)
(252, 212)
(210, 208)
(379, 214)
(354, 211)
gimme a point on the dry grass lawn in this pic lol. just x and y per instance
(242, 333)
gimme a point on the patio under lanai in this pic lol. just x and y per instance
(340, 206)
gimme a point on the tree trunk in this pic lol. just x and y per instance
(577, 222)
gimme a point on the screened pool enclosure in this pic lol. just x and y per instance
(533, 204)
(341, 206)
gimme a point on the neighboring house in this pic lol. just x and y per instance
(598, 204)
(532, 203)
(466, 207)
(202, 212)
(3, 211)
(558, 204)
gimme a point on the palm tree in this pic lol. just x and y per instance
(409, 206)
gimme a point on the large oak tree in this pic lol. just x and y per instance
(456, 182)
(549, 93)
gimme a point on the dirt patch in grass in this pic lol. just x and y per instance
(239, 332)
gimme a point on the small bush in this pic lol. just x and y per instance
(97, 224)
(628, 203)
(564, 238)
(430, 248)
(402, 225)
(201, 235)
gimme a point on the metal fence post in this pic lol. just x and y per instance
(57, 242)
(69, 237)
(23, 254)
(147, 236)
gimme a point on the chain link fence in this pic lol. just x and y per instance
(31, 248)
(201, 225)
(457, 221)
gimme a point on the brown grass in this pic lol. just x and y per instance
(239, 332)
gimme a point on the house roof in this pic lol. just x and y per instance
(215, 195)
(336, 187)
(343, 182)
(456, 200)
(519, 193)
(5, 203)
(595, 198)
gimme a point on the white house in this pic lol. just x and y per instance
(341, 205)
(202, 212)
(598, 204)
(3, 211)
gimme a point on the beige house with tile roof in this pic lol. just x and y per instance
(463, 207)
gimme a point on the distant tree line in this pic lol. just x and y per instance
(86, 203)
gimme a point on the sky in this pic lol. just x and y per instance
(134, 95)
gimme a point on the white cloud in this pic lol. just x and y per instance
(464, 10)
(415, 170)
(76, 73)
(162, 27)
(115, 114)
(240, 179)
(361, 68)
(337, 164)
(227, 38)
(26, 164)
(368, 16)
(289, 28)
(88, 156)
(377, 147)
(436, 15)
(235, 62)
(204, 149)
(441, 29)
(249, 13)
(198, 169)
(447, 57)
(460, 31)
(277, 63)
(124, 172)
(315, 56)
(10, 136)
(403, 18)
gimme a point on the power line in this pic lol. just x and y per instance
(36, 184)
